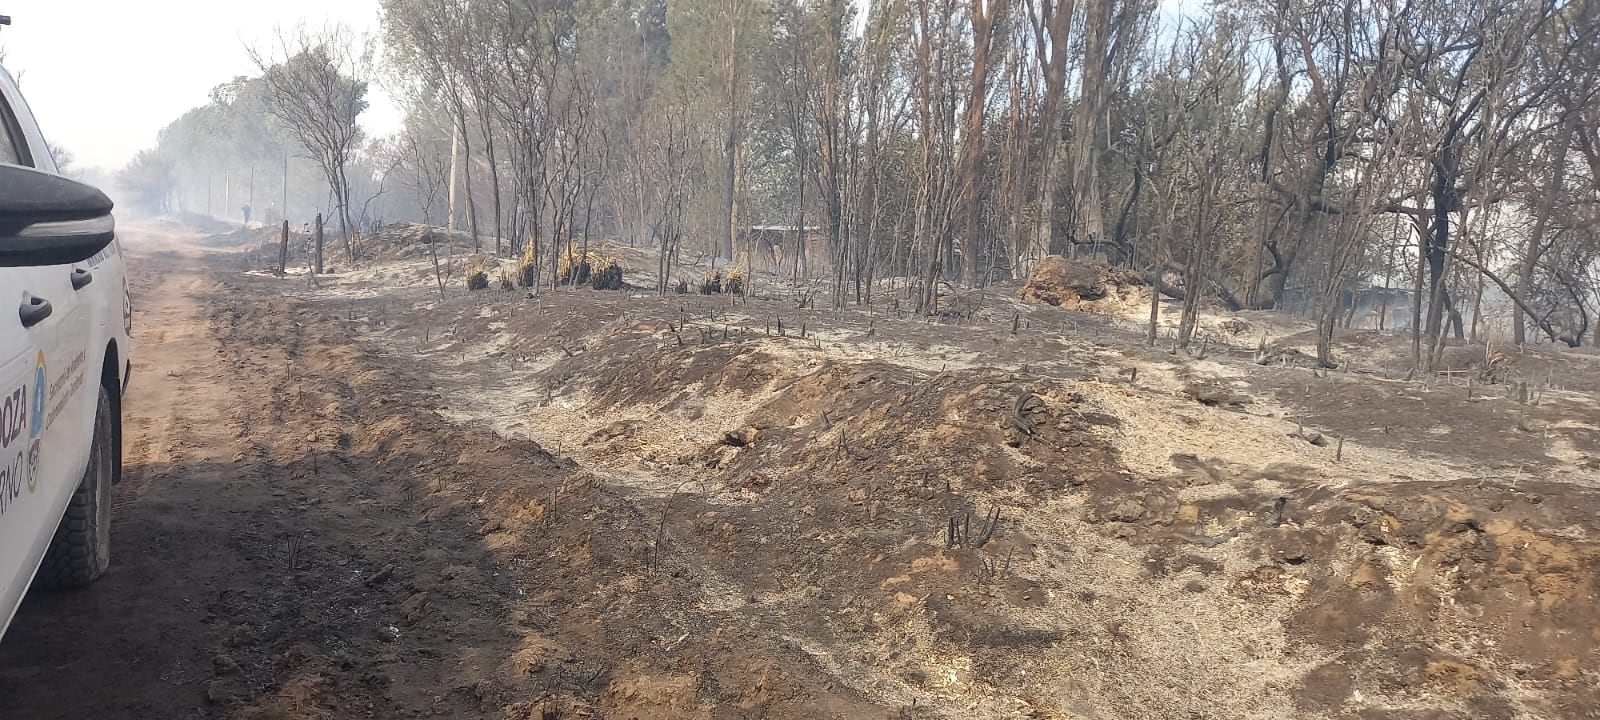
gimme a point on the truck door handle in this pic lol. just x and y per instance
(81, 278)
(34, 310)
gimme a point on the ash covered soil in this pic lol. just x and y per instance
(353, 498)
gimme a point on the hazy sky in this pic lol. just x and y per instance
(103, 76)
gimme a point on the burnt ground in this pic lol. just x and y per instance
(354, 499)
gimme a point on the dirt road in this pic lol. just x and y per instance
(133, 644)
(266, 558)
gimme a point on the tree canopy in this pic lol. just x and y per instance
(1281, 155)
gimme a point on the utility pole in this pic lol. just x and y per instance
(286, 186)
(252, 191)
(455, 150)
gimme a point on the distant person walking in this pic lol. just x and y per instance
(246, 209)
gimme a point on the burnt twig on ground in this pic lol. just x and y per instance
(1211, 542)
(1017, 411)
(1276, 518)
(958, 533)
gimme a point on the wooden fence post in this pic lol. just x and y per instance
(319, 243)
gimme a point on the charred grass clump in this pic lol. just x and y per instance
(597, 270)
(711, 282)
(528, 267)
(717, 282)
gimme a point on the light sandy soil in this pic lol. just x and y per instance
(354, 498)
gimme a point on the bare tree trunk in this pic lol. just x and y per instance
(1477, 295)
(1017, 152)
(1194, 274)
(346, 227)
(486, 122)
(1325, 329)
(455, 163)
(933, 108)
(1044, 225)
(987, 17)
(1388, 280)
(466, 177)
(1052, 27)
(1421, 228)
(1155, 307)
(1088, 213)
(1532, 248)
(730, 142)
(800, 213)
(438, 274)
(1439, 310)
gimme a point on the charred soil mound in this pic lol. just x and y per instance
(929, 534)
(987, 515)
(1080, 285)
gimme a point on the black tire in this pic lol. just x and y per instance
(81, 550)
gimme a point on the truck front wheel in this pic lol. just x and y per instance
(80, 552)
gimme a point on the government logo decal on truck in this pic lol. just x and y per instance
(22, 411)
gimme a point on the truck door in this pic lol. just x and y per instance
(34, 479)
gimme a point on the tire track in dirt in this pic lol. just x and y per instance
(168, 415)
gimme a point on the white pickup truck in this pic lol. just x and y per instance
(65, 316)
